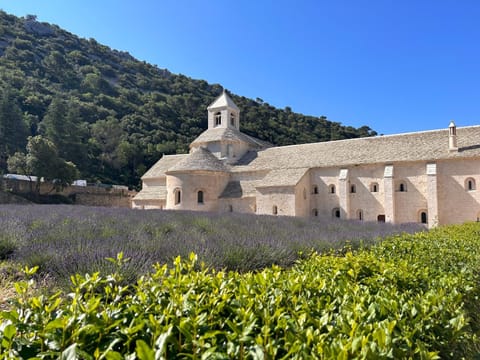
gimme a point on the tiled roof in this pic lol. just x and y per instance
(283, 177)
(200, 159)
(223, 101)
(228, 135)
(152, 193)
(162, 165)
(239, 189)
(419, 146)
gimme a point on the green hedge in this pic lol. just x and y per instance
(412, 296)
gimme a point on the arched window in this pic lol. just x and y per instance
(200, 197)
(402, 187)
(360, 215)
(353, 188)
(218, 118)
(315, 189)
(304, 194)
(331, 189)
(178, 196)
(470, 184)
(374, 187)
(230, 208)
(336, 213)
(274, 210)
(423, 217)
(314, 212)
(232, 119)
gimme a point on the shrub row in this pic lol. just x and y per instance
(412, 296)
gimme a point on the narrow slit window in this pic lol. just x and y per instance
(200, 197)
(470, 184)
(218, 119)
(178, 196)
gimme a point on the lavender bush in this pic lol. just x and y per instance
(63, 239)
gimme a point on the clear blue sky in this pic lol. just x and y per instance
(394, 65)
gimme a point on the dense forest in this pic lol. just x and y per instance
(113, 116)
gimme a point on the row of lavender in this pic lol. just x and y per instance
(63, 240)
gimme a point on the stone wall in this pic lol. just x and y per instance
(8, 198)
(81, 195)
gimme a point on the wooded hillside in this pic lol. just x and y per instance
(112, 115)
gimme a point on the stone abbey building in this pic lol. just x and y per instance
(428, 177)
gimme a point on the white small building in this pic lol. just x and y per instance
(427, 177)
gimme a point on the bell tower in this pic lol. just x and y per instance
(223, 113)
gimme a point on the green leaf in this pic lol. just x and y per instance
(113, 355)
(143, 351)
(9, 331)
(70, 353)
(161, 343)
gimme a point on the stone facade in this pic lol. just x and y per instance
(428, 177)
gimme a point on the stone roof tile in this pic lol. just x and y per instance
(162, 165)
(283, 177)
(239, 189)
(199, 160)
(228, 135)
(223, 101)
(419, 146)
(152, 193)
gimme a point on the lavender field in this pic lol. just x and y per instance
(63, 240)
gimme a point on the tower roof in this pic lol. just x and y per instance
(199, 160)
(228, 135)
(223, 101)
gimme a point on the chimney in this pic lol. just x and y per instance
(452, 137)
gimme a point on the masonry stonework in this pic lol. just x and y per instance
(428, 177)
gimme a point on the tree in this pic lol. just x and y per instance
(13, 130)
(17, 164)
(42, 161)
(106, 139)
(62, 125)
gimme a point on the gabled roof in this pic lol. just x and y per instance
(199, 160)
(228, 135)
(223, 101)
(419, 146)
(283, 177)
(162, 165)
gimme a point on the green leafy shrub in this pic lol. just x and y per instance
(412, 296)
